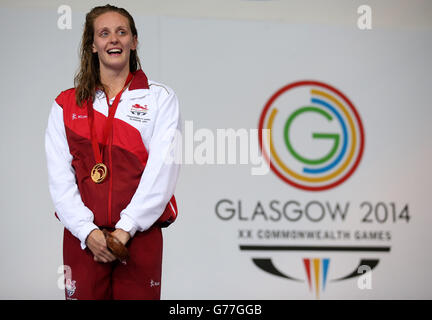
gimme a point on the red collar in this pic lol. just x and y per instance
(139, 80)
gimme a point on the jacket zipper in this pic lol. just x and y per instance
(110, 180)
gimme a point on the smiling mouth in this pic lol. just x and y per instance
(114, 51)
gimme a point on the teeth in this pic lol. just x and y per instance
(114, 51)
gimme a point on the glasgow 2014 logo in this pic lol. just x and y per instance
(301, 156)
(312, 137)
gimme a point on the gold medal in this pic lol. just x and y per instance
(99, 173)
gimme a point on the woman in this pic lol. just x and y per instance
(107, 144)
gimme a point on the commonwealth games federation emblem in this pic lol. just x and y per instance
(316, 135)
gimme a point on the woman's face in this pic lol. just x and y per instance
(113, 40)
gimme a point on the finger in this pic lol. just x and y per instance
(108, 255)
(98, 259)
(103, 259)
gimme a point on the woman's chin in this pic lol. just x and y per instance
(115, 64)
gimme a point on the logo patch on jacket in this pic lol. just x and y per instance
(138, 112)
(78, 116)
(70, 287)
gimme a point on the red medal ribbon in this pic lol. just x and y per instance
(108, 125)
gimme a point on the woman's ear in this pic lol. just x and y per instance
(94, 48)
(134, 43)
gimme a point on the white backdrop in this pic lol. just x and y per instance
(224, 71)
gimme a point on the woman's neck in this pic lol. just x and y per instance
(113, 80)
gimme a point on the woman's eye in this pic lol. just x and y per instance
(122, 32)
(104, 34)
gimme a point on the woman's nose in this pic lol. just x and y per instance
(113, 38)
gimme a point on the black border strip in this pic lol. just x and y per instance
(313, 248)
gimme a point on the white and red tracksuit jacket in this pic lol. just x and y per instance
(139, 189)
